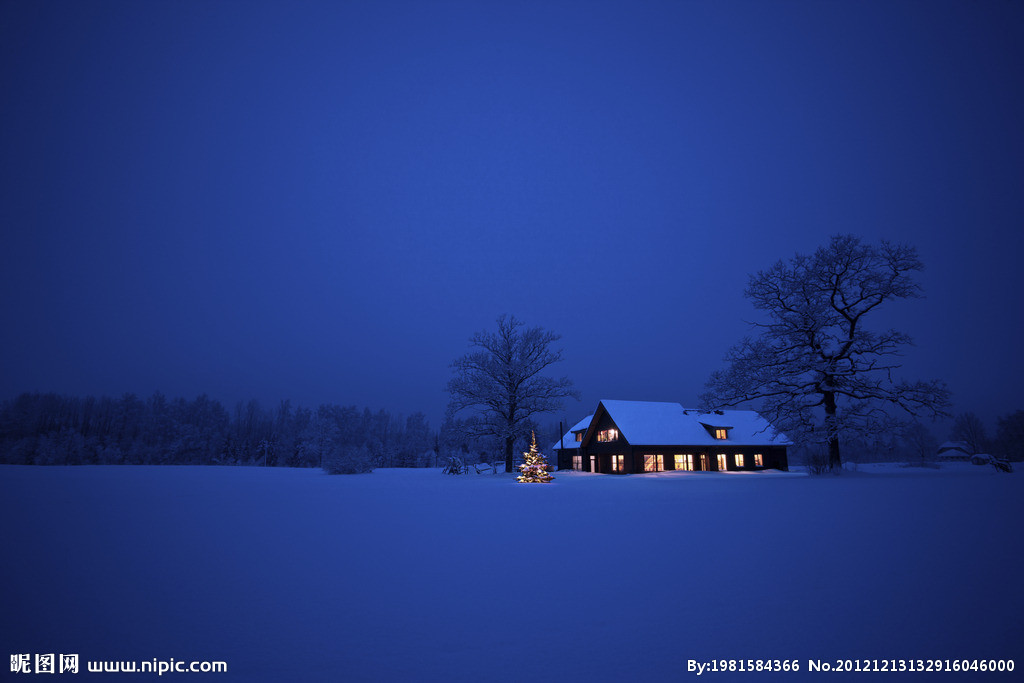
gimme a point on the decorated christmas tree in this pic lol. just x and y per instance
(534, 467)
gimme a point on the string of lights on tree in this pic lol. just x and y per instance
(534, 467)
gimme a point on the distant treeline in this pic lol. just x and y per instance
(50, 429)
(915, 442)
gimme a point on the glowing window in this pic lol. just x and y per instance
(579, 436)
(608, 435)
(577, 462)
(739, 460)
(703, 462)
(684, 462)
(654, 463)
(758, 460)
(722, 467)
(721, 433)
(618, 463)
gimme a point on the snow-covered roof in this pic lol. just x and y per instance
(649, 423)
(568, 439)
(955, 446)
(582, 424)
(713, 420)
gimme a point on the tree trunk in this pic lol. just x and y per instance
(509, 441)
(835, 462)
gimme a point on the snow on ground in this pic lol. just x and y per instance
(411, 575)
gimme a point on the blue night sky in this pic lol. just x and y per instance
(323, 201)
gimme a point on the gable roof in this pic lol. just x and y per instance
(568, 440)
(649, 423)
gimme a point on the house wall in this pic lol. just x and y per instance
(779, 458)
(604, 460)
(565, 457)
(774, 457)
(604, 450)
(668, 454)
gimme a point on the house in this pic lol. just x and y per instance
(643, 436)
(955, 450)
(570, 441)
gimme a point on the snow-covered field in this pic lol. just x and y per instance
(410, 575)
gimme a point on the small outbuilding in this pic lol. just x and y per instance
(569, 445)
(625, 437)
(955, 450)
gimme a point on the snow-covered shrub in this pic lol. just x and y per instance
(348, 460)
(455, 465)
(986, 459)
(817, 460)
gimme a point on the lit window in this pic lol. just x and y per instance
(721, 433)
(654, 463)
(579, 436)
(608, 435)
(618, 463)
(739, 460)
(577, 462)
(703, 462)
(758, 460)
(684, 462)
(721, 463)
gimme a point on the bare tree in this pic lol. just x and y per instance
(969, 428)
(501, 382)
(920, 443)
(817, 370)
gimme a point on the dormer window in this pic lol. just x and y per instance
(716, 429)
(579, 436)
(608, 435)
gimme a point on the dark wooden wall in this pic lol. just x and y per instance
(774, 457)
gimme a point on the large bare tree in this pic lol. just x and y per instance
(816, 368)
(969, 428)
(502, 384)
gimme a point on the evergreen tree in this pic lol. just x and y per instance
(534, 467)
